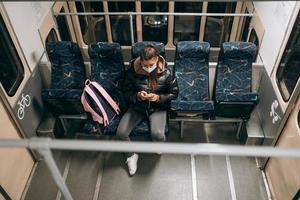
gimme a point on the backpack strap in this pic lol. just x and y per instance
(94, 97)
(106, 96)
(88, 108)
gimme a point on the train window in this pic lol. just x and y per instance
(245, 28)
(63, 27)
(254, 38)
(52, 36)
(82, 19)
(93, 27)
(187, 27)
(299, 119)
(218, 29)
(155, 27)
(11, 68)
(289, 67)
(122, 22)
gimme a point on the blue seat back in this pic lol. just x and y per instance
(67, 78)
(107, 68)
(67, 67)
(191, 70)
(234, 69)
(138, 46)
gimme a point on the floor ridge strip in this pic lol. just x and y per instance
(65, 174)
(99, 178)
(194, 177)
(230, 177)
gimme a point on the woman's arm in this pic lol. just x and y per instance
(171, 82)
(129, 88)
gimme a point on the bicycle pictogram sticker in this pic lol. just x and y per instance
(24, 102)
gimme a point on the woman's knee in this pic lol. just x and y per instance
(158, 135)
(122, 133)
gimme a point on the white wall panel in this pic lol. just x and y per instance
(275, 17)
(26, 17)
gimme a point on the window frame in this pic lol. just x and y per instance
(278, 68)
(12, 100)
(14, 57)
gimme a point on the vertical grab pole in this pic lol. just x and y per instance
(46, 153)
(249, 31)
(131, 28)
(238, 133)
(181, 128)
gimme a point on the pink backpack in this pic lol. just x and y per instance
(98, 103)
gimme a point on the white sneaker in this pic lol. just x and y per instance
(132, 163)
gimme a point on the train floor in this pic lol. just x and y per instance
(104, 175)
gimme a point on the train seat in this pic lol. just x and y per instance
(67, 78)
(138, 46)
(192, 72)
(107, 68)
(233, 94)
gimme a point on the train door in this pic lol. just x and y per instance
(16, 164)
(283, 173)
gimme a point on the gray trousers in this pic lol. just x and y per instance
(132, 118)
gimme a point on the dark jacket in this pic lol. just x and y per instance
(137, 79)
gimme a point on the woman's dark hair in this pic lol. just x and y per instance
(148, 52)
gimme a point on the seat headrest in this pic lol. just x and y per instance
(104, 50)
(238, 50)
(138, 46)
(192, 49)
(63, 48)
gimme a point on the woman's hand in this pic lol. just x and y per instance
(153, 97)
(142, 95)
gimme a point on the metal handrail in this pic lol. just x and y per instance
(159, 13)
(151, 147)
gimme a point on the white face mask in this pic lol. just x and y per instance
(149, 69)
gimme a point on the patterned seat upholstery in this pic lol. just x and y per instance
(67, 78)
(138, 46)
(107, 68)
(191, 70)
(233, 93)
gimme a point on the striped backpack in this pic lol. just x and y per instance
(98, 103)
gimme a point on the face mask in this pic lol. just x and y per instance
(150, 69)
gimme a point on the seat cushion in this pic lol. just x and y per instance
(63, 101)
(142, 128)
(192, 105)
(61, 94)
(237, 97)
